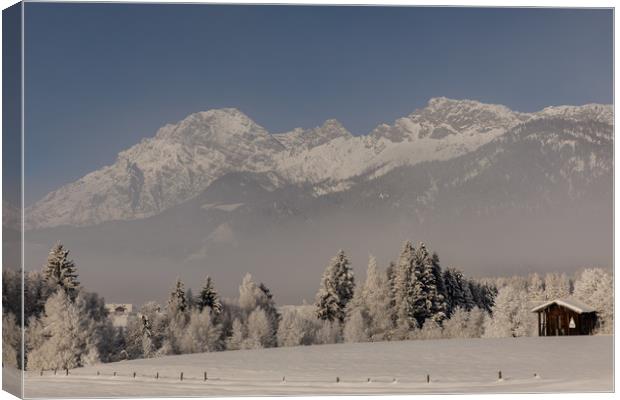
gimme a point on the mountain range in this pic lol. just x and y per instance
(489, 188)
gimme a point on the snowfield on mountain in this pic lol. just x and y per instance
(528, 364)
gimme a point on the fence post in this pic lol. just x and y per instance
(181, 376)
(55, 370)
(134, 374)
(205, 375)
(499, 375)
(157, 376)
(67, 371)
(114, 373)
(41, 371)
(428, 378)
(337, 379)
(97, 373)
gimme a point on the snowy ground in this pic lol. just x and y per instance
(576, 364)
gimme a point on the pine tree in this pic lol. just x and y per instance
(177, 302)
(268, 305)
(60, 271)
(190, 300)
(178, 317)
(403, 292)
(209, 298)
(337, 286)
(148, 347)
(422, 276)
(436, 290)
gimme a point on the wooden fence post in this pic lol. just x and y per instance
(134, 374)
(157, 376)
(499, 375)
(181, 376)
(428, 378)
(205, 376)
(337, 379)
(67, 371)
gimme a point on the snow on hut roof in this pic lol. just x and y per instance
(570, 303)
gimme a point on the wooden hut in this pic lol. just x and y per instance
(563, 317)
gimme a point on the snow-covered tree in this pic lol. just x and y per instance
(250, 295)
(147, 337)
(464, 324)
(404, 292)
(11, 339)
(71, 337)
(296, 329)
(190, 300)
(535, 287)
(557, 286)
(356, 327)
(202, 333)
(178, 316)
(458, 290)
(254, 297)
(239, 333)
(594, 286)
(60, 271)
(209, 298)
(430, 302)
(329, 332)
(430, 330)
(337, 287)
(378, 300)
(511, 315)
(37, 290)
(177, 302)
(268, 305)
(260, 333)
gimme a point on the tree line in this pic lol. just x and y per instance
(412, 298)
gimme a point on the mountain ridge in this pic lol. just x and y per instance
(183, 159)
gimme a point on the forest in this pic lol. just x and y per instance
(412, 298)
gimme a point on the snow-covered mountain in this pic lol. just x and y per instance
(492, 190)
(184, 159)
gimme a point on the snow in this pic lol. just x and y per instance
(575, 363)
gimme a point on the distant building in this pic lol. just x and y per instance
(119, 314)
(564, 317)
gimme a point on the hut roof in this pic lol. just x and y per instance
(571, 303)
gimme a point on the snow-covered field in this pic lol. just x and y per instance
(576, 364)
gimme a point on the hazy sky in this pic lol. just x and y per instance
(101, 76)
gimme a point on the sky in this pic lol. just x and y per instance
(99, 77)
